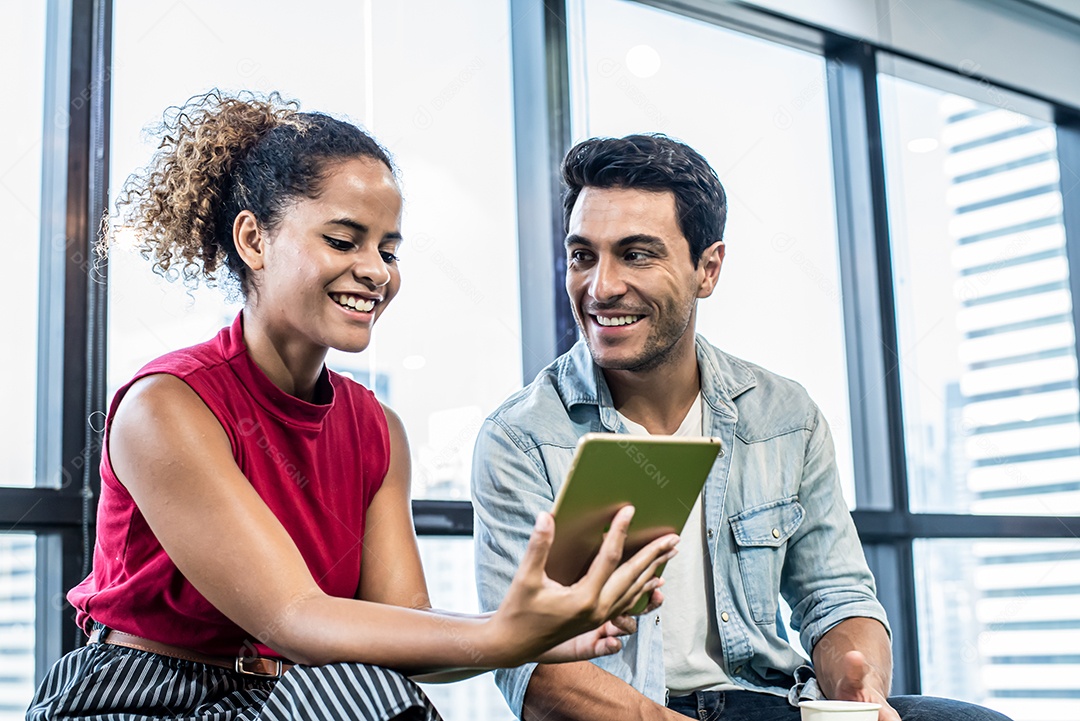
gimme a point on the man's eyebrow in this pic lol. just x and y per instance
(361, 228)
(637, 239)
(641, 239)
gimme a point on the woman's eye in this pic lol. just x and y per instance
(337, 243)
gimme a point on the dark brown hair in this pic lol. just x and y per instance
(222, 154)
(656, 163)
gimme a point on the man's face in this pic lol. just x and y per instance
(630, 278)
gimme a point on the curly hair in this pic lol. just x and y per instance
(652, 162)
(219, 155)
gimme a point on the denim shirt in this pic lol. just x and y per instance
(776, 520)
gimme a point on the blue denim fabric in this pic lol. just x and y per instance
(776, 520)
(746, 706)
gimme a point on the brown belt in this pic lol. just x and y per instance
(245, 665)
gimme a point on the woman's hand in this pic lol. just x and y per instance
(602, 641)
(543, 620)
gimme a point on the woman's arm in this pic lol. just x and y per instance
(390, 568)
(172, 455)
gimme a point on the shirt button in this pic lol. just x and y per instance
(658, 619)
(776, 533)
(723, 617)
(708, 533)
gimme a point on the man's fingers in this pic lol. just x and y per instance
(855, 668)
(656, 599)
(621, 625)
(888, 713)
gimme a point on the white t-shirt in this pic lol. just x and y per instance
(693, 659)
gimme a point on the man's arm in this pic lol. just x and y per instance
(509, 488)
(583, 690)
(853, 662)
(831, 589)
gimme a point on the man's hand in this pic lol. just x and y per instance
(853, 662)
(857, 680)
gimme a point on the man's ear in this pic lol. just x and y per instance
(248, 239)
(709, 266)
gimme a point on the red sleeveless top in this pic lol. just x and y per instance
(316, 465)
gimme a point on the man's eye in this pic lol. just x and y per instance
(578, 256)
(338, 243)
(636, 256)
(388, 257)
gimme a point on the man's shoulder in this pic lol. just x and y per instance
(540, 412)
(767, 402)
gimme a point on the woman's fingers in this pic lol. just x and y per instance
(610, 554)
(536, 553)
(627, 583)
(644, 584)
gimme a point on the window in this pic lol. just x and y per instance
(999, 623)
(22, 45)
(23, 33)
(989, 379)
(968, 483)
(984, 309)
(438, 101)
(451, 587)
(764, 129)
(18, 597)
(441, 103)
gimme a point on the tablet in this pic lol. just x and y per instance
(661, 476)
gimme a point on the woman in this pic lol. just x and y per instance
(255, 509)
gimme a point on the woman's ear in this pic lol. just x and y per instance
(248, 239)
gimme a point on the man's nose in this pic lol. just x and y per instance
(607, 282)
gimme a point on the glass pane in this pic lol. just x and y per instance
(999, 624)
(22, 46)
(448, 563)
(432, 97)
(988, 360)
(17, 612)
(764, 129)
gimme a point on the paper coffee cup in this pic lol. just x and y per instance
(838, 711)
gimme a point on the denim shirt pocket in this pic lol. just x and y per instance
(761, 534)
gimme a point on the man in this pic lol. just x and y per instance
(644, 217)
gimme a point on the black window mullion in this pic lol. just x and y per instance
(541, 88)
(870, 331)
(72, 336)
(1068, 152)
(863, 237)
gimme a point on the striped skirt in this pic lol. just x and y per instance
(113, 683)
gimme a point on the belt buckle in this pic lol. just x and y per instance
(253, 666)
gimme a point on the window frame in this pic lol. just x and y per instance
(61, 507)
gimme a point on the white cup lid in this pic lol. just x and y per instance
(840, 705)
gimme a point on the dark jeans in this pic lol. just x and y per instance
(750, 706)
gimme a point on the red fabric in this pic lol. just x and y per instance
(317, 467)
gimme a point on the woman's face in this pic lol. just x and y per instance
(330, 267)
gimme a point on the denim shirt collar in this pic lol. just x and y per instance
(723, 378)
